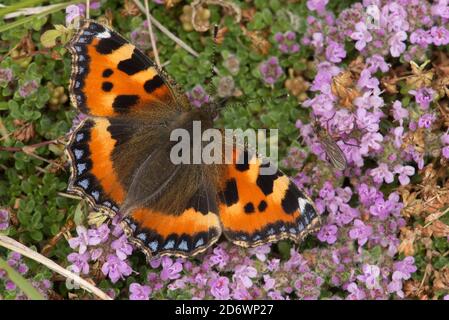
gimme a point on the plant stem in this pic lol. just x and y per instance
(150, 30)
(21, 282)
(12, 244)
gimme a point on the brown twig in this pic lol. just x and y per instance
(29, 150)
(12, 244)
(152, 39)
(29, 147)
(53, 241)
(167, 32)
(87, 9)
(69, 196)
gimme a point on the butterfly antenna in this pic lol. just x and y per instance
(210, 87)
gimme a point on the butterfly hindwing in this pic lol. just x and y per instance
(258, 208)
(111, 77)
(185, 234)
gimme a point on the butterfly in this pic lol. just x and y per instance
(120, 159)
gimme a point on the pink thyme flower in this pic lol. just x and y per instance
(219, 288)
(397, 45)
(421, 37)
(220, 257)
(286, 42)
(382, 173)
(360, 232)
(423, 97)
(335, 52)
(404, 173)
(426, 120)
(115, 268)
(366, 80)
(80, 262)
(377, 62)
(441, 8)
(6, 75)
(317, 5)
(73, 12)
(82, 241)
(244, 274)
(445, 152)
(399, 113)
(198, 96)
(328, 234)
(122, 247)
(139, 292)
(261, 251)
(355, 292)
(361, 35)
(4, 219)
(440, 36)
(271, 70)
(98, 235)
(170, 270)
(28, 88)
(370, 276)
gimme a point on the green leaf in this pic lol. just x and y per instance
(78, 217)
(21, 282)
(25, 20)
(49, 37)
(284, 249)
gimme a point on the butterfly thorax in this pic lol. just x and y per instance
(186, 120)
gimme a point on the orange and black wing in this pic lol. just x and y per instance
(185, 234)
(93, 174)
(258, 208)
(111, 77)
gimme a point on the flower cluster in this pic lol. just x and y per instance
(9, 289)
(198, 96)
(4, 219)
(107, 246)
(353, 104)
(229, 272)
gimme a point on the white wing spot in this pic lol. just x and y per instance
(78, 153)
(79, 137)
(200, 242)
(183, 245)
(84, 183)
(142, 236)
(170, 244)
(302, 204)
(81, 167)
(153, 245)
(95, 194)
(104, 35)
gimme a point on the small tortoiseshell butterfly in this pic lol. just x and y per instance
(120, 159)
